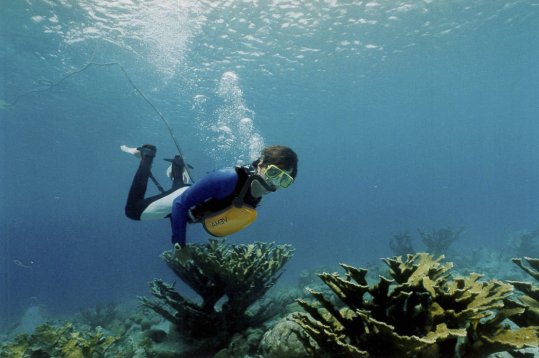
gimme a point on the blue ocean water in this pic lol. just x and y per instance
(404, 114)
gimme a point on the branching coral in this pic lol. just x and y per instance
(64, 341)
(401, 244)
(420, 311)
(527, 243)
(101, 315)
(529, 300)
(241, 273)
(438, 241)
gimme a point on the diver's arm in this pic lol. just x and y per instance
(218, 184)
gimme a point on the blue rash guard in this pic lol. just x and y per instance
(216, 185)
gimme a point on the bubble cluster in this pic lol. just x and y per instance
(228, 128)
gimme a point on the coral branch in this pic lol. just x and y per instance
(438, 241)
(420, 311)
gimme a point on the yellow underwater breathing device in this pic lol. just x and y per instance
(229, 220)
(235, 217)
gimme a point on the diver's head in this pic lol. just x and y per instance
(282, 157)
(278, 165)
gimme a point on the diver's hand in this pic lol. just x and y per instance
(181, 253)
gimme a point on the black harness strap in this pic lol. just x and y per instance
(238, 201)
(156, 183)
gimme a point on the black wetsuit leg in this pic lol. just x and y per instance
(135, 200)
(177, 183)
(136, 203)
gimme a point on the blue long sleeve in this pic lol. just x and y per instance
(218, 185)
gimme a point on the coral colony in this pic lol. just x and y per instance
(419, 311)
(418, 308)
(241, 273)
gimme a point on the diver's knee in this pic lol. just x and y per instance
(132, 214)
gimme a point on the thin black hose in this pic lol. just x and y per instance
(51, 85)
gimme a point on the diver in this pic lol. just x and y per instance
(224, 201)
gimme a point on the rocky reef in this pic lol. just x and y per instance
(417, 307)
(420, 311)
(229, 279)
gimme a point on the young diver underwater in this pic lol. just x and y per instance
(224, 201)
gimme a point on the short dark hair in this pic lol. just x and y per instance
(281, 156)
